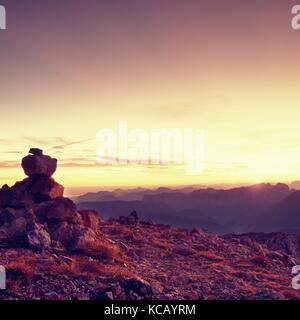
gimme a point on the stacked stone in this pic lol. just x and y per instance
(34, 213)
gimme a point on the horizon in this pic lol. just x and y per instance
(69, 71)
(78, 191)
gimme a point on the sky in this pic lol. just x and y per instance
(71, 68)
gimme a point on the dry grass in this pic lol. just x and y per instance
(223, 267)
(178, 234)
(271, 276)
(161, 244)
(122, 231)
(104, 250)
(259, 261)
(19, 273)
(84, 267)
(249, 288)
(209, 255)
(244, 264)
(101, 248)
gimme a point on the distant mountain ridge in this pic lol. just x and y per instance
(283, 216)
(237, 210)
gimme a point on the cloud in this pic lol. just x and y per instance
(9, 164)
(70, 143)
(45, 141)
(56, 143)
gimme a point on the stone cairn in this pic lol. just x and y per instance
(35, 214)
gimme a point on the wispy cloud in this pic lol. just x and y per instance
(70, 143)
(56, 143)
(9, 164)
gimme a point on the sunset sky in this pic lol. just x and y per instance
(70, 68)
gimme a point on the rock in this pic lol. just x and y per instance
(90, 219)
(197, 230)
(38, 238)
(122, 219)
(14, 233)
(116, 290)
(138, 285)
(4, 238)
(17, 228)
(41, 209)
(76, 219)
(45, 188)
(62, 209)
(183, 250)
(52, 296)
(109, 295)
(34, 212)
(7, 198)
(9, 215)
(259, 260)
(157, 288)
(66, 260)
(17, 196)
(131, 219)
(134, 215)
(39, 164)
(63, 232)
(83, 240)
(36, 151)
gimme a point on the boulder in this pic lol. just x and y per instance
(62, 209)
(64, 232)
(13, 233)
(131, 219)
(76, 219)
(17, 196)
(83, 240)
(183, 250)
(5, 196)
(9, 215)
(4, 238)
(39, 164)
(40, 210)
(90, 219)
(45, 188)
(38, 238)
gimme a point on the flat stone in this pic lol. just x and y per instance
(36, 151)
(39, 164)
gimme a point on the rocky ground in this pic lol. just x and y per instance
(147, 261)
(51, 250)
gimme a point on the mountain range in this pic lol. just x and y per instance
(256, 208)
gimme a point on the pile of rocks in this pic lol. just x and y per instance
(131, 219)
(34, 213)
